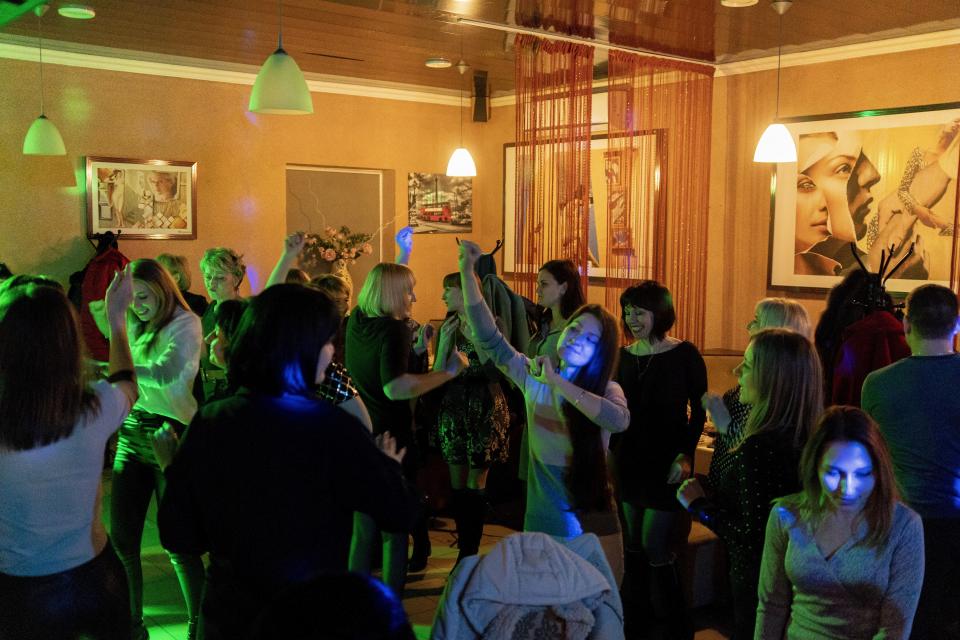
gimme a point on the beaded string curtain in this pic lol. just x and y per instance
(553, 156)
(658, 198)
(573, 17)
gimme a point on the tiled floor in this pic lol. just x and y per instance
(165, 615)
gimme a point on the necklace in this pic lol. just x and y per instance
(642, 374)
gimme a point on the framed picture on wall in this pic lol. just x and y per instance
(437, 203)
(877, 179)
(142, 198)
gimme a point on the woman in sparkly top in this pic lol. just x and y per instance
(780, 378)
(728, 413)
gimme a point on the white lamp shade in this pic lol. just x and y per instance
(461, 164)
(280, 87)
(43, 139)
(776, 145)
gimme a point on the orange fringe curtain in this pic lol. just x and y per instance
(573, 17)
(658, 177)
(554, 82)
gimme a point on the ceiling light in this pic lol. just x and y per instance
(461, 163)
(738, 3)
(43, 138)
(280, 87)
(776, 144)
(438, 62)
(77, 11)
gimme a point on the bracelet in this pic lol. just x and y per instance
(125, 375)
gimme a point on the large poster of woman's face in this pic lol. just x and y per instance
(142, 199)
(884, 181)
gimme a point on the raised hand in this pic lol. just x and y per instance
(469, 254)
(294, 244)
(119, 296)
(404, 239)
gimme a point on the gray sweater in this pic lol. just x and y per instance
(860, 592)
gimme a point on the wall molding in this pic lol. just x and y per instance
(127, 61)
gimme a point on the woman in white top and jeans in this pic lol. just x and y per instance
(59, 576)
(165, 341)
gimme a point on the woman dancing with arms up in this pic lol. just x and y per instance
(572, 408)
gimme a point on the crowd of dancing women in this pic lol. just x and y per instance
(282, 437)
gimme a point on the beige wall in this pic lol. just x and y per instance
(242, 159)
(740, 190)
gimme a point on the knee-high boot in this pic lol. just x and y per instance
(667, 601)
(635, 594)
(473, 511)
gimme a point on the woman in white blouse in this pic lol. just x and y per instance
(844, 557)
(59, 576)
(165, 341)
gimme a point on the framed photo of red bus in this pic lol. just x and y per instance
(437, 203)
(142, 198)
(878, 179)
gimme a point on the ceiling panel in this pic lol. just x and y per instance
(389, 40)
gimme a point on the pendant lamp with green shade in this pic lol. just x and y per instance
(280, 87)
(43, 138)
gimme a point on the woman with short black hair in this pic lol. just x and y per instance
(663, 379)
(267, 480)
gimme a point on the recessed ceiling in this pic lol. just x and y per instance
(389, 40)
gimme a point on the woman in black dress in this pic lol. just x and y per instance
(473, 421)
(663, 379)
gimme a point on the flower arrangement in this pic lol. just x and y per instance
(333, 245)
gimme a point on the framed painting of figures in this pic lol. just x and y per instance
(865, 183)
(142, 198)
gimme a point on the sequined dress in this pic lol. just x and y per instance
(473, 418)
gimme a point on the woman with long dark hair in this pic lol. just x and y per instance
(572, 405)
(661, 377)
(472, 421)
(559, 294)
(268, 479)
(780, 378)
(165, 341)
(59, 575)
(844, 557)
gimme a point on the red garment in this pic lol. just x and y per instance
(96, 279)
(868, 344)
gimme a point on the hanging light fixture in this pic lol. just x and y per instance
(461, 163)
(280, 87)
(43, 138)
(776, 144)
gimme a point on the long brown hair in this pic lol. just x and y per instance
(586, 479)
(788, 382)
(156, 277)
(850, 424)
(43, 381)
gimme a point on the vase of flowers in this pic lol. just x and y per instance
(333, 250)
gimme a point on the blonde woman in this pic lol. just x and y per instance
(780, 378)
(378, 352)
(223, 271)
(179, 268)
(728, 413)
(165, 344)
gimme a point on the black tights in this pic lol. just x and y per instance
(136, 478)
